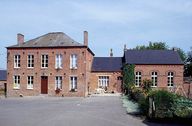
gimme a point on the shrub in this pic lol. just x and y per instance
(146, 86)
(164, 101)
(169, 105)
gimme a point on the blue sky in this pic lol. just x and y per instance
(110, 23)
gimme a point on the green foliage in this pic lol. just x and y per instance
(182, 107)
(128, 76)
(188, 64)
(153, 46)
(169, 105)
(164, 101)
(181, 54)
(146, 86)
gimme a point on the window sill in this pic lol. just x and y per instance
(16, 88)
(29, 88)
(30, 67)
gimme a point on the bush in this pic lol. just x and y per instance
(169, 105)
(164, 101)
(182, 108)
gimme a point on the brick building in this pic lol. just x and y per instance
(55, 64)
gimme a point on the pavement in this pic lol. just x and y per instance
(62, 111)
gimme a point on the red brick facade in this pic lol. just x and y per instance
(115, 81)
(84, 60)
(88, 81)
(162, 73)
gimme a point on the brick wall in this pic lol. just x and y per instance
(162, 71)
(114, 83)
(82, 71)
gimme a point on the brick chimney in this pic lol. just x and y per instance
(20, 38)
(111, 52)
(85, 38)
(125, 47)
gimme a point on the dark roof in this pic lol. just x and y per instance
(106, 64)
(165, 57)
(53, 39)
(3, 75)
(50, 40)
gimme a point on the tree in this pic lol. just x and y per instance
(188, 64)
(153, 46)
(128, 77)
(161, 46)
(181, 54)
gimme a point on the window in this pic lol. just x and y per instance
(44, 61)
(170, 79)
(73, 61)
(58, 61)
(119, 78)
(30, 82)
(16, 82)
(154, 79)
(58, 82)
(103, 81)
(137, 79)
(16, 61)
(73, 82)
(30, 60)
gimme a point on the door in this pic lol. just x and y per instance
(44, 84)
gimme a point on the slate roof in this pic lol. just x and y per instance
(53, 39)
(106, 64)
(3, 75)
(149, 57)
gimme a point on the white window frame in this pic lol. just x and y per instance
(44, 61)
(30, 82)
(170, 79)
(73, 83)
(17, 61)
(30, 61)
(58, 61)
(73, 61)
(16, 82)
(138, 78)
(154, 78)
(58, 82)
(103, 81)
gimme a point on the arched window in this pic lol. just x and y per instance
(170, 77)
(154, 79)
(137, 79)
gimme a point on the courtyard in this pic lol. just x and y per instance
(63, 111)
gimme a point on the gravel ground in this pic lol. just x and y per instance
(51, 111)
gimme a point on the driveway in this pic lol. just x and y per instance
(51, 111)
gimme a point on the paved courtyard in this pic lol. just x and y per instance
(50, 111)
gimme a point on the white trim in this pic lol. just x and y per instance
(44, 60)
(31, 59)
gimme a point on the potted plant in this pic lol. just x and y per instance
(57, 90)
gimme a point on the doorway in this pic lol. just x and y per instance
(44, 84)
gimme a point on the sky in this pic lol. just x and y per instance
(110, 23)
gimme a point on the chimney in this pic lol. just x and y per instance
(20, 38)
(125, 47)
(175, 49)
(85, 38)
(111, 52)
